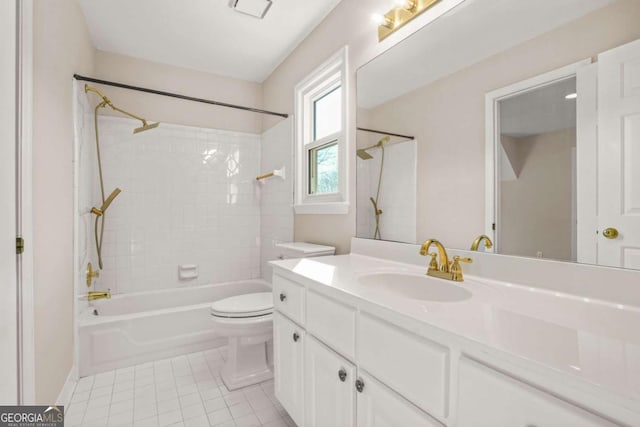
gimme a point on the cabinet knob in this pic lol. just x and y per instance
(282, 296)
(359, 385)
(342, 374)
(296, 337)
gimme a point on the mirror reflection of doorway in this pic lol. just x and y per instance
(537, 172)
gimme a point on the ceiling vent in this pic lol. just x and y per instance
(256, 8)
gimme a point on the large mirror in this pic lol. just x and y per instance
(510, 119)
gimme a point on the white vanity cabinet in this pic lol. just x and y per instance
(341, 363)
(316, 380)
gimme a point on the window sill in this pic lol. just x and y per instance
(331, 208)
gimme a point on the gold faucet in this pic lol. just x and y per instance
(94, 295)
(445, 269)
(476, 243)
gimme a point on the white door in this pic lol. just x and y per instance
(378, 406)
(288, 360)
(329, 388)
(8, 323)
(619, 156)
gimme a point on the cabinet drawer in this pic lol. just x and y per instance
(411, 365)
(332, 322)
(289, 298)
(511, 402)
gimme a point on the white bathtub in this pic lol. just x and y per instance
(136, 328)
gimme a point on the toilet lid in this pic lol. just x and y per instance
(247, 305)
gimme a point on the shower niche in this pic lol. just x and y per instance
(386, 186)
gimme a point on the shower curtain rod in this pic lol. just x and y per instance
(176, 95)
(381, 132)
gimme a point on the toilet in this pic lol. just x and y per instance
(247, 321)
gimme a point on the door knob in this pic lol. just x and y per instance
(342, 374)
(283, 296)
(359, 385)
(296, 336)
(610, 233)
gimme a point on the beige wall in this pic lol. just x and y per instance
(124, 69)
(348, 24)
(61, 48)
(535, 208)
(447, 117)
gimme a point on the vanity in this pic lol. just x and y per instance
(367, 339)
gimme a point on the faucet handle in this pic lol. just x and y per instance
(456, 269)
(433, 264)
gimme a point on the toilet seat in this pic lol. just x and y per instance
(244, 306)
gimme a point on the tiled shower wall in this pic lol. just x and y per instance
(189, 197)
(276, 193)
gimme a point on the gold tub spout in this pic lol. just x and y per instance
(94, 295)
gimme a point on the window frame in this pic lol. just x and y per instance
(332, 74)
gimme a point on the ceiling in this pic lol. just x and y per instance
(473, 31)
(205, 35)
(539, 111)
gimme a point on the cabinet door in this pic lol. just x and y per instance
(288, 352)
(329, 387)
(488, 398)
(379, 406)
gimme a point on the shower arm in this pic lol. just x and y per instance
(107, 102)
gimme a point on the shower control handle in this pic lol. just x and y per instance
(282, 296)
(296, 337)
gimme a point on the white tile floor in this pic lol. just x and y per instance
(181, 391)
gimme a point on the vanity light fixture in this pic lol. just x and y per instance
(571, 96)
(400, 15)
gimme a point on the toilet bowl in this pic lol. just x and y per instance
(247, 321)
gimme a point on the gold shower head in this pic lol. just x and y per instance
(145, 126)
(107, 102)
(362, 153)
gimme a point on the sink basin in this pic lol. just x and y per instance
(416, 287)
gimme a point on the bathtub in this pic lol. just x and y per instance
(141, 327)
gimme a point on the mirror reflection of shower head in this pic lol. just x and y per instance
(362, 153)
(107, 202)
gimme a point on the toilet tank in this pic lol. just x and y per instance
(303, 250)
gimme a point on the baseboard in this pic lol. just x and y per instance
(64, 398)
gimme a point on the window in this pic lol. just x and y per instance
(321, 143)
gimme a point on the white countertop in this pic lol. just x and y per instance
(594, 340)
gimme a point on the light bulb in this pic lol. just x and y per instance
(381, 20)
